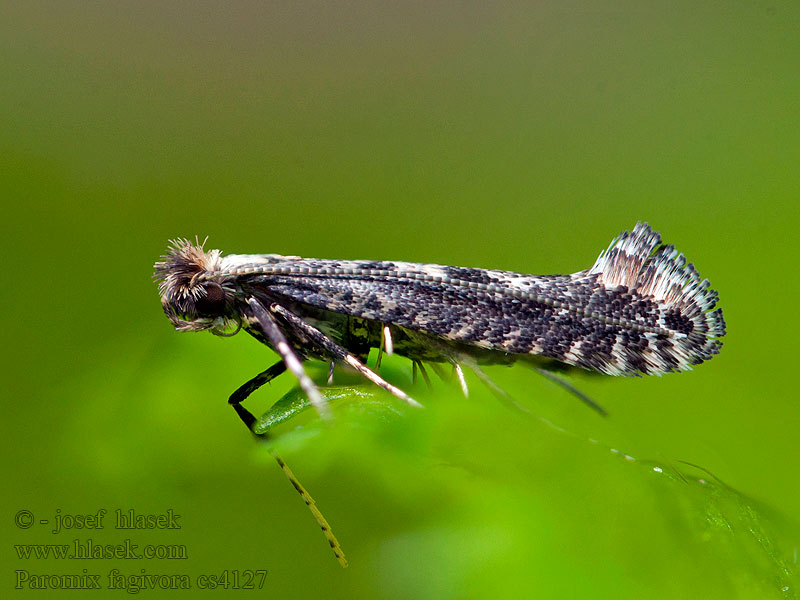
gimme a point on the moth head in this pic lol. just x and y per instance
(193, 293)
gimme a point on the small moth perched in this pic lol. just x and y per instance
(639, 310)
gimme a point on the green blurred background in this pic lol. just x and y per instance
(521, 136)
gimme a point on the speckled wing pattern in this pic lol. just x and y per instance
(640, 309)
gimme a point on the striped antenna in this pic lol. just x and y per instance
(312, 506)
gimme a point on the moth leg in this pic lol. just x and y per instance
(380, 353)
(244, 391)
(235, 400)
(499, 392)
(386, 342)
(418, 363)
(339, 353)
(437, 368)
(572, 390)
(461, 380)
(330, 373)
(274, 334)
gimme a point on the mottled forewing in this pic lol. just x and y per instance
(496, 321)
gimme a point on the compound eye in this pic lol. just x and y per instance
(213, 303)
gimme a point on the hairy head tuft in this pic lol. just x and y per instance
(192, 299)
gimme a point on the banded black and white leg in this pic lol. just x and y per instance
(337, 352)
(273, 333)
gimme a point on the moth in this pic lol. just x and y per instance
(640, 309)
